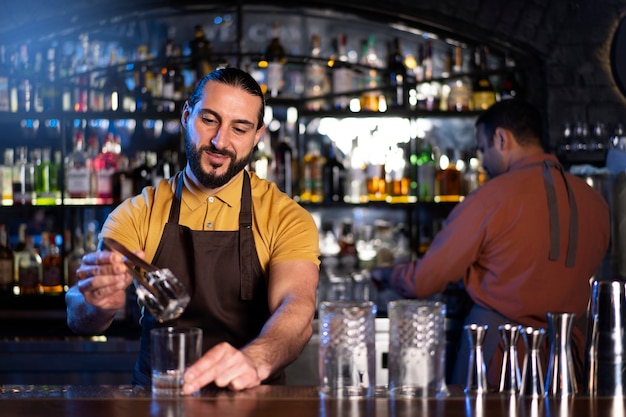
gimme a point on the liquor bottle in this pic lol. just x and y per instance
(78, 169)
(201, 53)
(317, 83)
(274, 58)
(509, 87)
(73, 258)
(6, 175)
(286, 165)
(5, 74)
(262, 159)
(47, 190)
(426, 173)
(397, 180)
(142, 170)
(371, 78)
(23, 178)
(356, 180)
(163, 169)
(82, 66)
(105, 164)
(116, 95)
(27, 270)
(483, 94)
(460, 95)
(143, 80)
(396, 74)
(52, 266)
(50, 93)
(6, 263)
(93, 149)
(333, 177)
(448, 181)
(25, 83)
(431, 87)
(312, 178)
(169, 73)
(343, 74)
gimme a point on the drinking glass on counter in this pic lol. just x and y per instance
(173, 350)
(417, 347)
(347, 361)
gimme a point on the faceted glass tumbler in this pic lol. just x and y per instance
(347, 350)
(417, 349)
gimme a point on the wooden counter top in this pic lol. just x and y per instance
(279, 401)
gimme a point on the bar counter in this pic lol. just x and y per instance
(279, 401)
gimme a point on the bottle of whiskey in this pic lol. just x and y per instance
(73, 258)
(6, 263)
(371, 78)
(312, 178)
(460, 96)
(52, 266)
(27, 271)
(483, 95)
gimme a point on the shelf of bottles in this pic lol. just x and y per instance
(360, 113)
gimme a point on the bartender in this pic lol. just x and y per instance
(526, 243)
(247, 253)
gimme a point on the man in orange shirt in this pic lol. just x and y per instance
(525, 244)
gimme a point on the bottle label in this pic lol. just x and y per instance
(104, 183)
(52, 276)
(28, 276)
(6, 273)
(274, 77)
(78, 182)
(4, 94)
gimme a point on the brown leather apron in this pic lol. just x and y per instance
(223, 275)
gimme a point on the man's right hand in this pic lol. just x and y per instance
(103, 279)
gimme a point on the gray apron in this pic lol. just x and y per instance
(482, 315)
(223, 275)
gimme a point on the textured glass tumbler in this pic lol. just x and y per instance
(173, 350)
(347, 350)
(417, 349)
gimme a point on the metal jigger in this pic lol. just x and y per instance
(532, 372)
(560, 380)
(510, 379)
(476, 372)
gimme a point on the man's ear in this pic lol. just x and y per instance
(184, 115)
(503, 138)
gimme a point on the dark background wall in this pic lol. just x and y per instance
(571, 39)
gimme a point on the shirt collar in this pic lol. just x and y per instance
(193, 196)
(532, 159)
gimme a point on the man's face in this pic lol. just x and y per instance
(493, 161)
(220, 133)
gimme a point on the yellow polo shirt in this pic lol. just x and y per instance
(282, 229)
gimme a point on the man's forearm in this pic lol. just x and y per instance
(280, 341)
(84, 318)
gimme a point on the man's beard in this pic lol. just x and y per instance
(211, 180)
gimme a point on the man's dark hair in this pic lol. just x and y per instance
(233, 77)
(515, 115)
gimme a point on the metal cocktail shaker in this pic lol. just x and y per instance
(605, 361)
